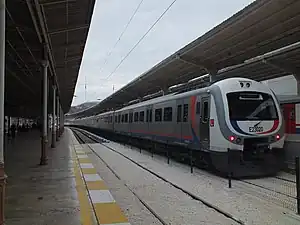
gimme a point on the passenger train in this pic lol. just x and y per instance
(236, 116)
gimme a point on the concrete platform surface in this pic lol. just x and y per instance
(68, 190)
(40, 194)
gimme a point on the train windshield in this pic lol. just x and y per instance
(251, 106)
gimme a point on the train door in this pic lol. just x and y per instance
(186, 132)
(179, 115)
(204, 122)
(113, 121)
(149, 118)
(130, 120)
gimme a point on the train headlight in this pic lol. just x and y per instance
(231, 138)
(277, 137)
(245, 84)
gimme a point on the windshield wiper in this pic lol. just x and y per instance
(261, 107)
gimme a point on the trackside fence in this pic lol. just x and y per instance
(297, 168)
(282, 189)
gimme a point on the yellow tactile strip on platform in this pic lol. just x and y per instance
(106, 209)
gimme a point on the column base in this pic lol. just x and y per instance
(53, 143)
(57, 134)
(44, 143)
(2, 193)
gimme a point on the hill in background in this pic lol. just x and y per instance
(82, 106)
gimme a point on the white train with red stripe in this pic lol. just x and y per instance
(236, 113)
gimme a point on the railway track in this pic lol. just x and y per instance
(84, 137)
(280, 189)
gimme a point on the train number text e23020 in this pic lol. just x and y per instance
(256, 129)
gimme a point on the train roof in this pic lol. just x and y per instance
(176, 95)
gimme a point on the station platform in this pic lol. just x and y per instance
(68, 190)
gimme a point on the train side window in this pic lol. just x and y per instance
(168, 114)
(136, 116)
(130, 117)
(158, 115)
(185, 112)
(116, 119)
(142, 115)
(150, 115)
(126, 118)
(179, 113)
(205, 112)
(198, 107)
(119, 118)
(122, 120)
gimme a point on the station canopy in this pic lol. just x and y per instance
(56, 29)
(259, 42)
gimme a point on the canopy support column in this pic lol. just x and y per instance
(57, 118)
(2, 86)
(53, 144)
(43, 161)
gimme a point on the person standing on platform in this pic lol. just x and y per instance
(13, 130)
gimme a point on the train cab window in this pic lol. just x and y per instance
(150, 115)
(142, 115)
(205, 112)
(136, 116)
(251, 106)
(158, 115)
(179, 113)
(126, 118)
(198, 106)
(185, 112)
(168, 114)
(130, 117)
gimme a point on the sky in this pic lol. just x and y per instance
(185, 21)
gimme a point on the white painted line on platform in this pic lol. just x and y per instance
(116, 224)
(92, 177)
(80, 151)
(101, 196)
(82, 156)
(86, 165)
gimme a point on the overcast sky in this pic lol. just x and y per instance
(185, 21)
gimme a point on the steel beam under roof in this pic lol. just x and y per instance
(61, 25)
(263, 26)
(288, 99)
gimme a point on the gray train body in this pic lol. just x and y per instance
(235, 115)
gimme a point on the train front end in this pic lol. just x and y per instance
(253, 128)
